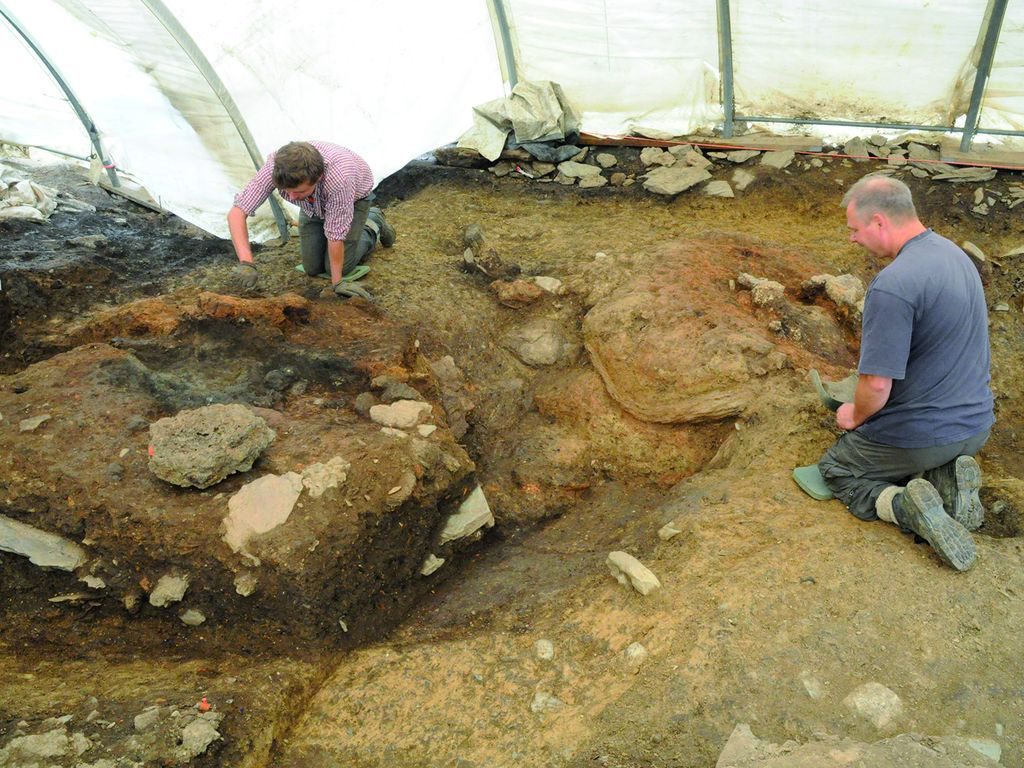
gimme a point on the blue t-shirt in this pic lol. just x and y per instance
(926, 327)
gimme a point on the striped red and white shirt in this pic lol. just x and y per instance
(346, 178)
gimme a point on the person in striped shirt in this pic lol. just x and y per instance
(338, 226)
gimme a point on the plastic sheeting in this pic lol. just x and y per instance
(392, 79)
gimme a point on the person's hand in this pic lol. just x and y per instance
(844, 417)
(245, 275)
(345, 291)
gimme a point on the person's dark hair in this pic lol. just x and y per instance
(881, 194)
(297, 163)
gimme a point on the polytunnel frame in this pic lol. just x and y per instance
(992, 26)
(199, 61)
(69, 94)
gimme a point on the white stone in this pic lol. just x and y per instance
(44, 745)
(668, 531)
(431, 564)
(742, 155)
(606, 159)
(318, 478)
(672, 181)
(543, 702)
(392, 432)
(875, 703)
(192, 617)
(246, 583)
(574, 170)
(742, 179)
(549, 284)
(426, 430)
(147, 719)
(990, 748)
(544, 649)
(636, 654)
(778, 160)
(47, 550)
(30, 425)
(170, 588)
(259, 507)
(629, 571)
(474, 513)
(812, 685)
(401, 414)
(719, 188)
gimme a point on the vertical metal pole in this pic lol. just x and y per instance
(994, 15)
(506, 42)
(725, 66)
(90, 126)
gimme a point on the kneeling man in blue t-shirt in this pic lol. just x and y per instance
(923, 407)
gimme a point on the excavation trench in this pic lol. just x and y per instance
(669, 393)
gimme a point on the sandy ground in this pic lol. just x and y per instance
(773, 608)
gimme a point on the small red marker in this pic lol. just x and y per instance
(204, 705)
(151, 450)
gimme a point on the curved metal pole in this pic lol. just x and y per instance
(506, 41)
(198, 58)
(90, 126)
(725, 61)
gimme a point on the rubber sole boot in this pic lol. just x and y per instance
(387, 232)
(919, 508)
(958, 483)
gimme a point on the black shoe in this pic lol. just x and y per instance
(387, 232)
(958, 483)
(919, 508)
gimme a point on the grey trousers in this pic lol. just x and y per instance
(359, 242)
(857, 469)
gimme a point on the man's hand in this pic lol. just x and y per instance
(345, 291)
(844, 417)
(245, 275)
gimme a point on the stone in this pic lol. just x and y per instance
(856, 149)
(629, 571)
(695, 159)
(549, 284)
(399, 391)
(636, 654)
(192, 617)
(46, 550)
(474, 513)
(27, 750)
(402, 414)
(741, 155)
(543, 169)
(606, 159)
(197, 736)
(668, 531)
(672, 181)
(246, 583)
(545, 702)
(656, 156)
(875, 703)
(742, 179)
(364, 402)
(426, 430)
(201, 447)
(260, 506)
(544, 649)
(319, 478)
(541, 342)
(147, 719)
(719, 189)
(593, 182)
(431, 564)
(778, 160)
(170, 588)
(516, 293)
(31, 425)
(574, 170)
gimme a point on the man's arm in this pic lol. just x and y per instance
(239, 230)
(336, 256)
(871, 395)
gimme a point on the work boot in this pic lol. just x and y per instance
(919, 509)
(958, 483)
(385, 232)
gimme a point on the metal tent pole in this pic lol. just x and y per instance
(995, 13)
(87, 122)
(725, 63)
(188, 45)
(506, 41)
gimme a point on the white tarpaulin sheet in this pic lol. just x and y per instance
(392, 79)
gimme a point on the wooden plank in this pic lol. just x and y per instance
(136, 197)
(764, 142)
(980, 154)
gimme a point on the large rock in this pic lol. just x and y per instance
(47, 550)
(672, 181)
(260, 506)
(201, 447)
(542, 342)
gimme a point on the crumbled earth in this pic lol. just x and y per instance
(772, 608)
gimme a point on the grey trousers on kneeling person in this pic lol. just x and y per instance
(857, 469)
(359, 242)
